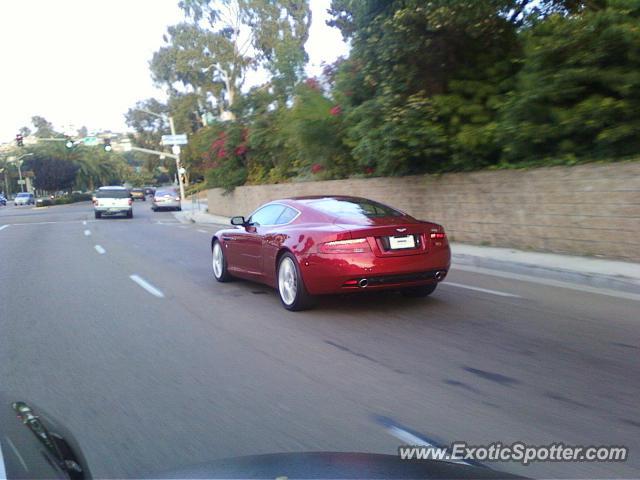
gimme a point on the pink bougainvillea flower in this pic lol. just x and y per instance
(335, 110)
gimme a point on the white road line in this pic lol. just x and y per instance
(147, 286)
(2, 227)
(87, 233)
(84, 222)
(46, 223)
(100, 250)
(549, 282)
(483, 290)
(3, 472)
(202, 231)
(17, 453)
(407, 437)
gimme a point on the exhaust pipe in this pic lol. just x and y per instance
(363, 282)
(440, 275)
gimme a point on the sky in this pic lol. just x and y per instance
(85, 62)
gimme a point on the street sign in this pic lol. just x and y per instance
(180, 139)
(175, 149)
(90, 141)
(22, 182)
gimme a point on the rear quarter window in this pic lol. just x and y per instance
(355, 208)
(112, 194)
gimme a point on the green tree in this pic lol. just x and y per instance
(188, 51)
(44, 128)
(280, 30)
(52, 173)
(424, 81)
(578, 94)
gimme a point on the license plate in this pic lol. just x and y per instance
(397, 243)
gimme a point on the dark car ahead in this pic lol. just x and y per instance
(138, 194)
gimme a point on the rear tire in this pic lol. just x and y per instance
(419, 292)
(130, 214)
(219, 263)
(98, 215)
(291, 289)
(179, 209)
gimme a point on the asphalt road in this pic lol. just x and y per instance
(190, 370)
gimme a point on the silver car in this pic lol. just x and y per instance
(166, 199)
(24, 198)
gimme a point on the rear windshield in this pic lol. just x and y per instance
(112, 194)
(23, 195)
(355, 208)
(162, 193)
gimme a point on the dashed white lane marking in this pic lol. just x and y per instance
(3, 472)
(483, 290)
(2, 227)
(202, 231)
(147, 286)
(87, 233)
(407, 437)
(48, 223)
(100, 250)
(17, 454)
(84, 222)
(547, 282)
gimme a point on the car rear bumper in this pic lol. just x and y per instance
(171, 204)
(329, 274)
(113, 210)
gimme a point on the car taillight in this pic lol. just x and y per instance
(178, 198)
(358, 245)
(438, 235)
(131, 201)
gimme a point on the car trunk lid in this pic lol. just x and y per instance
(393, 236)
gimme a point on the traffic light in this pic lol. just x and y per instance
(107, 145)
(19, 140)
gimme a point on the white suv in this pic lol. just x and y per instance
(112, 201)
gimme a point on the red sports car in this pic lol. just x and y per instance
(317, 245)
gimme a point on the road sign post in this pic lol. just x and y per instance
(175, 141)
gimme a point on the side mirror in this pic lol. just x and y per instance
(238, 221)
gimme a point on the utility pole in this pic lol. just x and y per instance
(175, 149)
(18, 162)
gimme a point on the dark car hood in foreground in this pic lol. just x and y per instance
(329, 465)
(35, 445)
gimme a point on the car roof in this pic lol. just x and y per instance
(309, 200)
